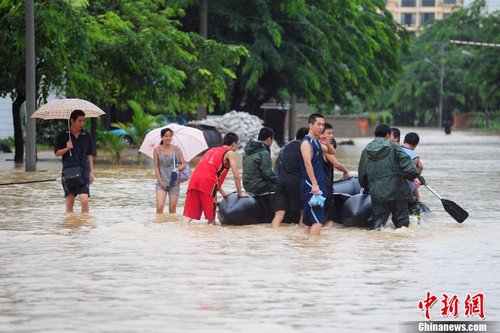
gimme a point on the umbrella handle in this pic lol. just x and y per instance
(69, 137)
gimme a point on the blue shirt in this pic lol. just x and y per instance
(413, 155)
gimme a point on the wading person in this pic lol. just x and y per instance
(313, 186)
(395, 135)
(409, 145)
(258, 174)
(383, 170)
(287, 168)
(77, 150)
(165, 158)
(207, 179)
(330, 162)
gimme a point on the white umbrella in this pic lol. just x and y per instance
(62, 108)
(189, 139)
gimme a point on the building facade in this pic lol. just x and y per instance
(415, 14)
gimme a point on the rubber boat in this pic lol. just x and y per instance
(350, 207)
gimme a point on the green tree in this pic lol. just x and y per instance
(140, 125)
(471, 73)
(319, 50)
(61, 46)
(141, 54)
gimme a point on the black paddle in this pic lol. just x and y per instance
(457, 212)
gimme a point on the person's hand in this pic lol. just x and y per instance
(416, 182)
(91, 177)
(346, 175)
(243, 195)
(315, 189)
(69, 144)
(162, 184)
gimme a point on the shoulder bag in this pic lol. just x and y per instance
(73, 176)
(185, 174)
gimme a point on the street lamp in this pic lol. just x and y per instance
(441, 77)
(441, 83)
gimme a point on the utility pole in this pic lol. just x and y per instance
(30, 164)
(292, 115)
(441, 83)
(201, 111)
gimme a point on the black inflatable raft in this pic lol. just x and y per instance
(349, 207)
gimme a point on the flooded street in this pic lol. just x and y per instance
(122, 268)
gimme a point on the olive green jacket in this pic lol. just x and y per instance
(383, 170)
(258, 174)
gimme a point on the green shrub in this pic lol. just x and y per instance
(111, 143)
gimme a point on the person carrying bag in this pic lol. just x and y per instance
(77, 154)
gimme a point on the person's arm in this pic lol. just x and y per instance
(305, 150)
(182, 162)
(327, 148)
(230, 156)
(62, 151)
(418, 163)
(339, 166)
(156, 167)
(91, 164)
(362, 176)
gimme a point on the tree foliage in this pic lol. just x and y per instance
(472, 73)
(141, 54)
(60, 40)
(319, 50)
(111, 52)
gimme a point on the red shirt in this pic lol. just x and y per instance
(210, 172)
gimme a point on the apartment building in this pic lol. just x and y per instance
(415, 14)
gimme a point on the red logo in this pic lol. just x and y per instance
(473, 305)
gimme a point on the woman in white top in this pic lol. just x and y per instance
(168, 161)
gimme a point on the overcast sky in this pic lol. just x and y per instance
(492, 4)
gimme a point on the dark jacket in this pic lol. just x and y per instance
(287, 166)
(258, 174)
(383, 170)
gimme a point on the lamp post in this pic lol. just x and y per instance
(30, 165)
(441, 77)
(441, 85)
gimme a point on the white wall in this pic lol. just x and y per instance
(6, 127)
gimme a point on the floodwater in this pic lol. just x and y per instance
(122, 268)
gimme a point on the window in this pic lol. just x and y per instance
(450, 2)
(445, 15)
(426, 18)
(428, 3)
(408, 19)
(408, 3)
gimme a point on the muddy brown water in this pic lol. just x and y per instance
(122, 268)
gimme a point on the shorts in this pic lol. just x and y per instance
(198, 202)
(171, 190)
(333, 213)
(84, 189)
(287, 198)
(315, 214)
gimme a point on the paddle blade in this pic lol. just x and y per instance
(457, 212)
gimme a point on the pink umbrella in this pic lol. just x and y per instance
(190, 140)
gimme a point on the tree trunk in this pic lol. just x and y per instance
(237, 95)
(18, 130)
